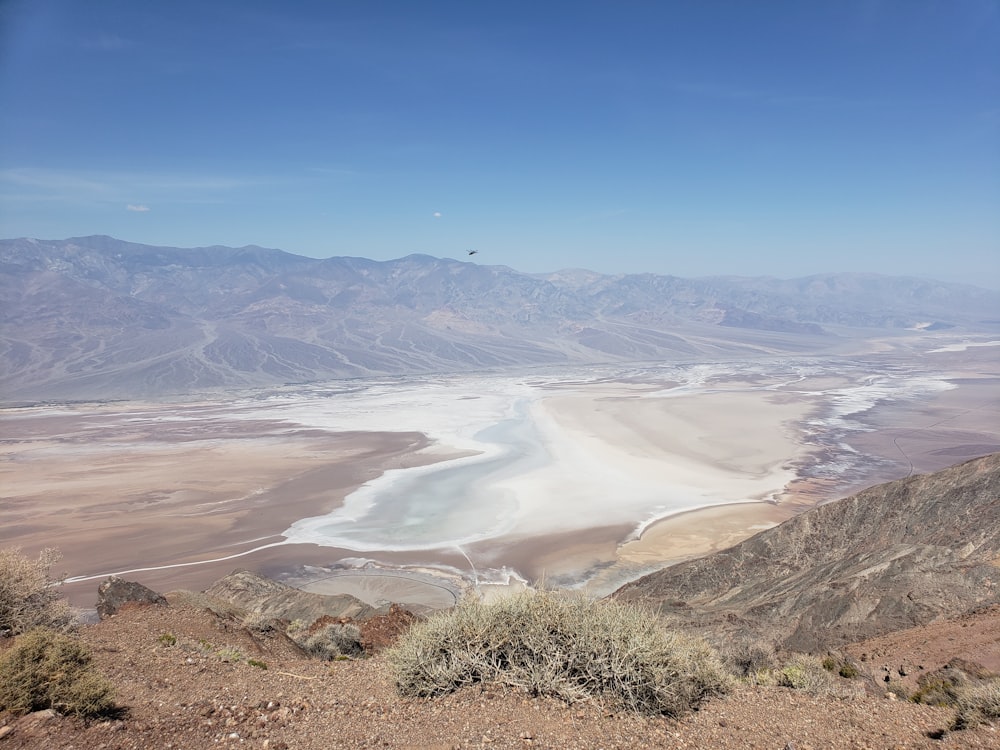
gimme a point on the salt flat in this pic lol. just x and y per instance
(583, 476)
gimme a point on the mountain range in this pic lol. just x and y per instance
(99, 318)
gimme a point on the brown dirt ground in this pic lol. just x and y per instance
(202, 692)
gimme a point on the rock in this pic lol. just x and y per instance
(33, 724)
(116, 592)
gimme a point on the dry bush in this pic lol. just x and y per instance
(748, 658)
(978, 704)
(29, 593)
(568, 647)
(330, 641)
(807, 673)
(44, 669)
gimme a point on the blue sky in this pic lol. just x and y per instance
(690, 138)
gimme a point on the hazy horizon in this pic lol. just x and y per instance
(687, 139)
(984, 283)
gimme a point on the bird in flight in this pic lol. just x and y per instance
(473, 252)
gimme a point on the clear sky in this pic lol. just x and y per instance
(684, 137)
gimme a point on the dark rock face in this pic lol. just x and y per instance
(115, 592)
(890, 557)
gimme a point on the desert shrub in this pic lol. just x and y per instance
(258, 623)
(807, 673)
(839, 665)
(257, 663)
(936, 692)
(978, 704)
(29, 594)
(329, 641)
(167, 639)
(44, 669)
(748, 658)
(898, 689)
(848, 670)
(563, 646)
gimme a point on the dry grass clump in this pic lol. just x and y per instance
(807, 673)
(44, 669)
(749, 659)
(29, 594)
(327, 640)
(568, 647)
(978, 704)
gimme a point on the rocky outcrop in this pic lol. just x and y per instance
(271, 600)
(890, 557)
(116, 592)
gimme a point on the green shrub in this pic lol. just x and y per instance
(168, 639)
(848, 671)
(807, 673)
(840, 665)
(568, 647)
(44, 669)
(29, 593)
(978, 704)
(257, 663)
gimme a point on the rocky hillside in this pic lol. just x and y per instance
(189, 676)
(893, 556)
(96, 317)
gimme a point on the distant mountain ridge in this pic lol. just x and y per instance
(97, 317)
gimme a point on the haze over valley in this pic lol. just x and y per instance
(461, 424)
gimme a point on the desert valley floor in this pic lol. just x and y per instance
(414, 489)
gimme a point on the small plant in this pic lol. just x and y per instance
(807, 673)
(848, 671)
(29, 593)
(978, 704)
(839, 666)
(568, 647)
(167, 639)
(258, 623)
(935, 693)
(747, 658)
(256, 663)
(229, 655)
(898, 689)
(333, 641)
(45, 669)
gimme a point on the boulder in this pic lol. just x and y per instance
(116, 592)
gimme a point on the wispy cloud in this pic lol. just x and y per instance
(138, 208)
(437, 214)
(53, 184)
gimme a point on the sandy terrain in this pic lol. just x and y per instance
(124, 489)
(150, 486)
